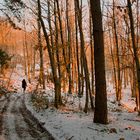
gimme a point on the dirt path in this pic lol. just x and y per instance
(17, 123)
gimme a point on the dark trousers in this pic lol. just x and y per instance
(24, 88)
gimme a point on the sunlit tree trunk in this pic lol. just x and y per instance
(34, 61)
(85, 66)
(27, 57)
(113, 62)
(92, 50)
(69, 50)
(64, 47)
(52, 60)
(135, 50)
(132, 64)
(118, 92)
(25, 61)
(77, 54)
(41, 76)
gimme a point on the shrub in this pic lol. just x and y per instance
(4, 60)
(39, 101)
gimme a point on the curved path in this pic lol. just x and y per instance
(16, 123)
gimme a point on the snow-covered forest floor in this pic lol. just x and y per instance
(71, 123)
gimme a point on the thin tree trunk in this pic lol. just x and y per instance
(92, 51)
(57, 52)
(86, 71)
(62, 40)
(51, 56)
(41, 77)
(27, 54)
(34, 61)
(25, 61)
(118, 93)
(113, 63)
(69, 47)
(77, 55)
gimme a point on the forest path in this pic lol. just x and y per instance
(16, 123)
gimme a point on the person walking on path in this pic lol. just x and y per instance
(24, 85)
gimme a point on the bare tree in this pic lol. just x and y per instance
(100, 115)
(135, 49)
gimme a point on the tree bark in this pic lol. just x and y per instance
(135, 49)
(84, 59)
(118, 92)
(52, 60)
(100, 115)
(41, 77)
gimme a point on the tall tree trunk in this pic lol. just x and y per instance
(132, 71)
(113, 63)
(62, 40)
(100, 115)
(25, 61)
(34, 61)
(61, 31)
(92, 50)
(69, 47)
(27, 54)
(86, 71)
(118, 92)
(77, 54)
(41, 77)
(135, 49)
(57, 52)
(51, 56)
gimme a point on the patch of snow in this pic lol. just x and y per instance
(73, 124)
(76, 125)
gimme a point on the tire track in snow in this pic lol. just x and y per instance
(9, 123)
(19, 124)
(3, 109)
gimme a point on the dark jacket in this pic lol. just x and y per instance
(24, 84)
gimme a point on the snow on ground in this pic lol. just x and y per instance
(71, 124)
